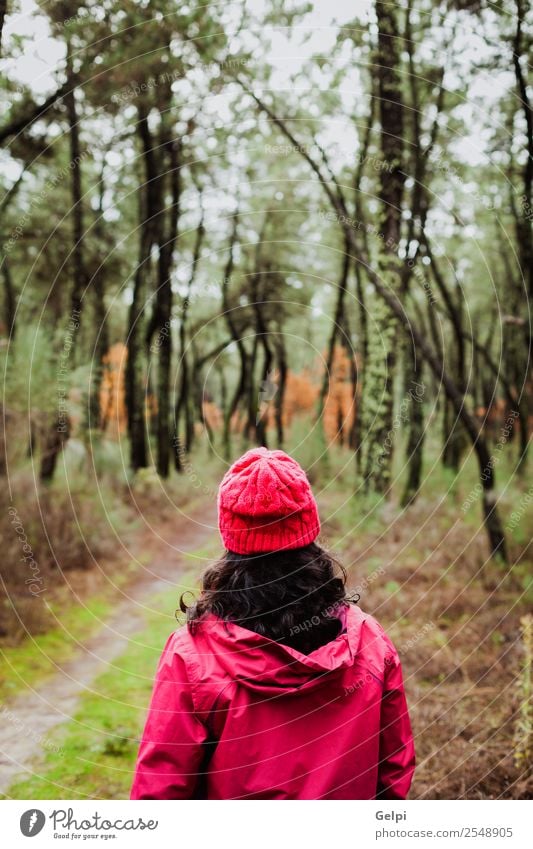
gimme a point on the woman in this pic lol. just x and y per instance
(278, 687)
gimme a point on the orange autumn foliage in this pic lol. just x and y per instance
(113, 414)
(213, 415)
(112, 391)
(302, 392)
(340, 406)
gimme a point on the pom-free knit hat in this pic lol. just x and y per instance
(265, 503)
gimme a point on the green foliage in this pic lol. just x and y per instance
(28, 364)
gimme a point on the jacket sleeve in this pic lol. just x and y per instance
(396, 747)
(171, 749)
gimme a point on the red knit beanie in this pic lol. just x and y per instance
(265, 503)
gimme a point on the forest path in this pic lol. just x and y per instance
(28, 718)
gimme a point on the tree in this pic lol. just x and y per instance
(380, 367)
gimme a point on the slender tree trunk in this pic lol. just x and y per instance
(240, 390)
(60, 430)
(259, 397)
(168, 164)
(348, 345)
(54, 442)
(10, 305)
(524, 226)
(336, 328)
(355, 439)
(183, 407)
(415, 443)
(524, 220)
(251, 395)
(453, 435)
(223, 393)
(164, 308)
(281, 358)
(239, 394)
(359, 415)
(258, 410)
(267, 389)
(135, 382)
(3, 10)
(78, 265)
(101, 343)
(204, 420)
(100, 348)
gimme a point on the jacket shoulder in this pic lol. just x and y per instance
(195, 656)
(375, 638)
(181, 642)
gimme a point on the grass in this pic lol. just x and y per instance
(35, 659)
(97, 749)
(76, 616)
(93, 755)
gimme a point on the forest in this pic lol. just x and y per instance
(302, 225)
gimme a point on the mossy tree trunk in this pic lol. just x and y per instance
(380, 368)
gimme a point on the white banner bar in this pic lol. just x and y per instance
(232, 825)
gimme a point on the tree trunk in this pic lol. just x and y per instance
(135, 383)
(250, 394)
(59, 433)
(258, 411)
(183, 407)
(164, 297)
(100, 348)
(10, 305)
(223, 393)
(78, 267)
(355, 439)
(335, 329)
(415, 443)
(380, 368)
(359, 415)
(3, 10)
(453, 436)
(240, 390)
(101, 342)
(163, 160)
(524, 228)
(258, 398)
(281, 358)
(163, 373)
(54, 443)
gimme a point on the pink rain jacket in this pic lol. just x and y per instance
(235, 715)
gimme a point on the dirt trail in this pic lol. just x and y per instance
(28, 719)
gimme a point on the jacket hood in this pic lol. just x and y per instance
(270, 667)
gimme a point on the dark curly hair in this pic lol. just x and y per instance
(288, 596)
